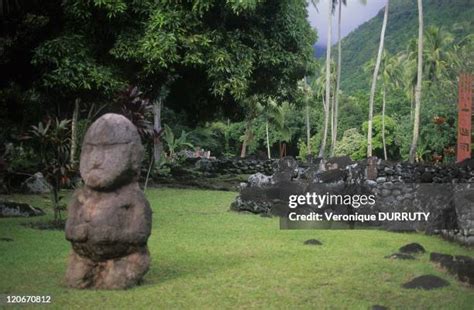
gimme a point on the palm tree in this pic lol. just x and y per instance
(374, 82)
(390, 72)
(307, 94)
(278, 117)
(318, 88)
(338, 77)
(270, 113)
(328, 74)
(437, 47)
(416, 121)
(409, 73)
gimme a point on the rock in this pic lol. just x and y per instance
(427, 177)
(426, 282)
(18, 209)
(412, 248)
(282, 176)
(370, 183)
(460, 266)
(259, 179)
(6, 239)
(312, 242)
(464, 207)
(332, 176)
(36, 184)
(109, 219)
(310, 173)
(340, 162)
(256, 207)
(287, 163)
(400, 256)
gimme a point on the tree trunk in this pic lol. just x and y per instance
(374, 82)
(419, 77)
(308, 130)
(157, 128)
(325, 129)
(75, 116)
(328, 82)
(338, 79)
(247, 135)
(383, 123)
(268, 140)
(333, 123)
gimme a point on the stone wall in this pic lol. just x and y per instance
(232, 165)
(446, 191)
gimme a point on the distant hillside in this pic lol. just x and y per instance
(319, 51)
(456, 16)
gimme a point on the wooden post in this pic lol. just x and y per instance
(464, 117)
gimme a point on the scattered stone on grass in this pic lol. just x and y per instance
(460, 266)
(400, 256)
(426, 282)
(313, 242)
(18, 209)
(6, 239)
(412, 248)
(36, 184)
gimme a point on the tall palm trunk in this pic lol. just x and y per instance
(338, 79)
(328, 83)
(75, 116)
(419, 77)
(247, 137)
(374, 82)
(333, 120)
(268, 140)
(383, 122)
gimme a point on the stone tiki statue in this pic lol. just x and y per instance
(109, 219)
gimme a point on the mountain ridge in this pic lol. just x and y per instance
(361, 44)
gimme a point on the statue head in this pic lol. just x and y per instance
(111, 153)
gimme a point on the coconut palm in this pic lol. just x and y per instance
(318, 87)
(276, 116)
(416, 121)
(270, 112)
(374, 82)
(437, 49)
(338, 78)
(391, 75)
(328, 73)
(305, 88)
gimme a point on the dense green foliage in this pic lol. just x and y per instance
(203, 256)
(229, 74)
(207, 61)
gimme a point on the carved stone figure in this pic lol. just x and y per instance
(109, 219)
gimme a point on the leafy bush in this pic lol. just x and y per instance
(352, 144)
(174, 144)
(52, 140)
(315, 142)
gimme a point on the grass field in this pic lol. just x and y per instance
(204, 256)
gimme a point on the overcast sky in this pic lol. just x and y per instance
(354, 14)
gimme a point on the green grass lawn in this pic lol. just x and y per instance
(204, 256)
